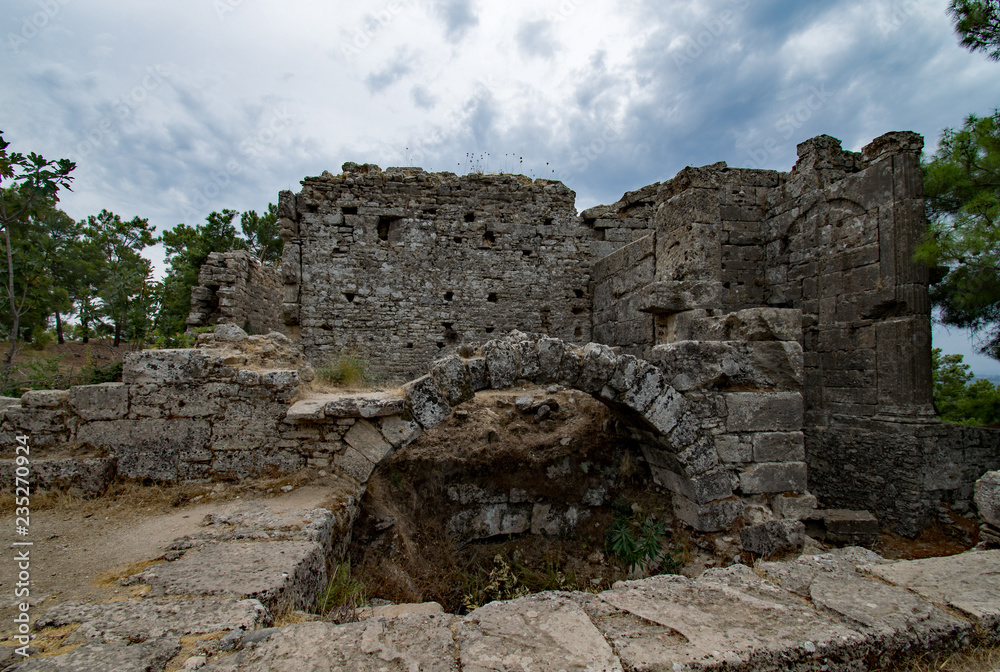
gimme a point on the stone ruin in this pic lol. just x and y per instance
(762, 337)
(785, 308)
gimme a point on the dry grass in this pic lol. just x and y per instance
(977, 659)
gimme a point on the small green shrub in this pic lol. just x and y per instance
(348, 369)
(95, 375)
(636, 543)
(343, 596)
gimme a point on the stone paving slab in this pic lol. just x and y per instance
(415, 642)
(968, 582)
(732, 617)
(278, 573)
(151, 656)
(547, 632)
(900, 619)
(141, 620)
(259, 522)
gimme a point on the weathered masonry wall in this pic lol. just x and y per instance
(404, 265)
(235, 288)
(834, 239)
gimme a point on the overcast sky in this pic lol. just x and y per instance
(175, 109)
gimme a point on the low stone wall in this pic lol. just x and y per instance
(903, 470)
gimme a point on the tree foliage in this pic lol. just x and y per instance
(187, 249)
(959, 397)
(962, 189)
(127, 293)
(27, 182)
(977, 22)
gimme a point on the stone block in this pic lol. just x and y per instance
(166, 367)
(734, 449)
(703, 488)
(710, 517)
(987, 497)
(354, 464)
(49, 399)
(550, 357)
(597, 367)
(648, 386)
(697, 365)
(766, 539)
(774, 477)
(453, 379)
(779, 447)
(545, 632)
(527, 358)
(501, 364)
(427, 403)
(626, 370)
(146, 448)
(478, 373)
(857, 528)
(795, 507)
(764, 411)
(306, 410)
(279, 574)
(666, 411)
(398, 430)
(364, 405)
(365, 438)
(668, 297)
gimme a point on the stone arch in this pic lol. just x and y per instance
(636, 391)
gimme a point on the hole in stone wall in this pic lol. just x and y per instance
(349, 297)
(458, 240)
(440, 345)
(470, 216)
(526, 253)
(489, 238)
(490, 482)
(579, 311)
(491, 297)
(409, 346)
(310, 208)
(548, 221)
(490, 330)
(578, 332)
(450, 335)
(349, 210)
(578, 293)
(448, 296)
(388, 228)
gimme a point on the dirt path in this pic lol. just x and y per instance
(79, 552)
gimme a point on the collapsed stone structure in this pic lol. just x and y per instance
(405, 266)
(761, 335)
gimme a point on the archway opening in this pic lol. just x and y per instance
(520, 490)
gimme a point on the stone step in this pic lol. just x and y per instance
(84, 477)
(727, 619)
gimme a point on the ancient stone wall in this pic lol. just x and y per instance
(235, 288)
(403, 265)
(834, 239)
